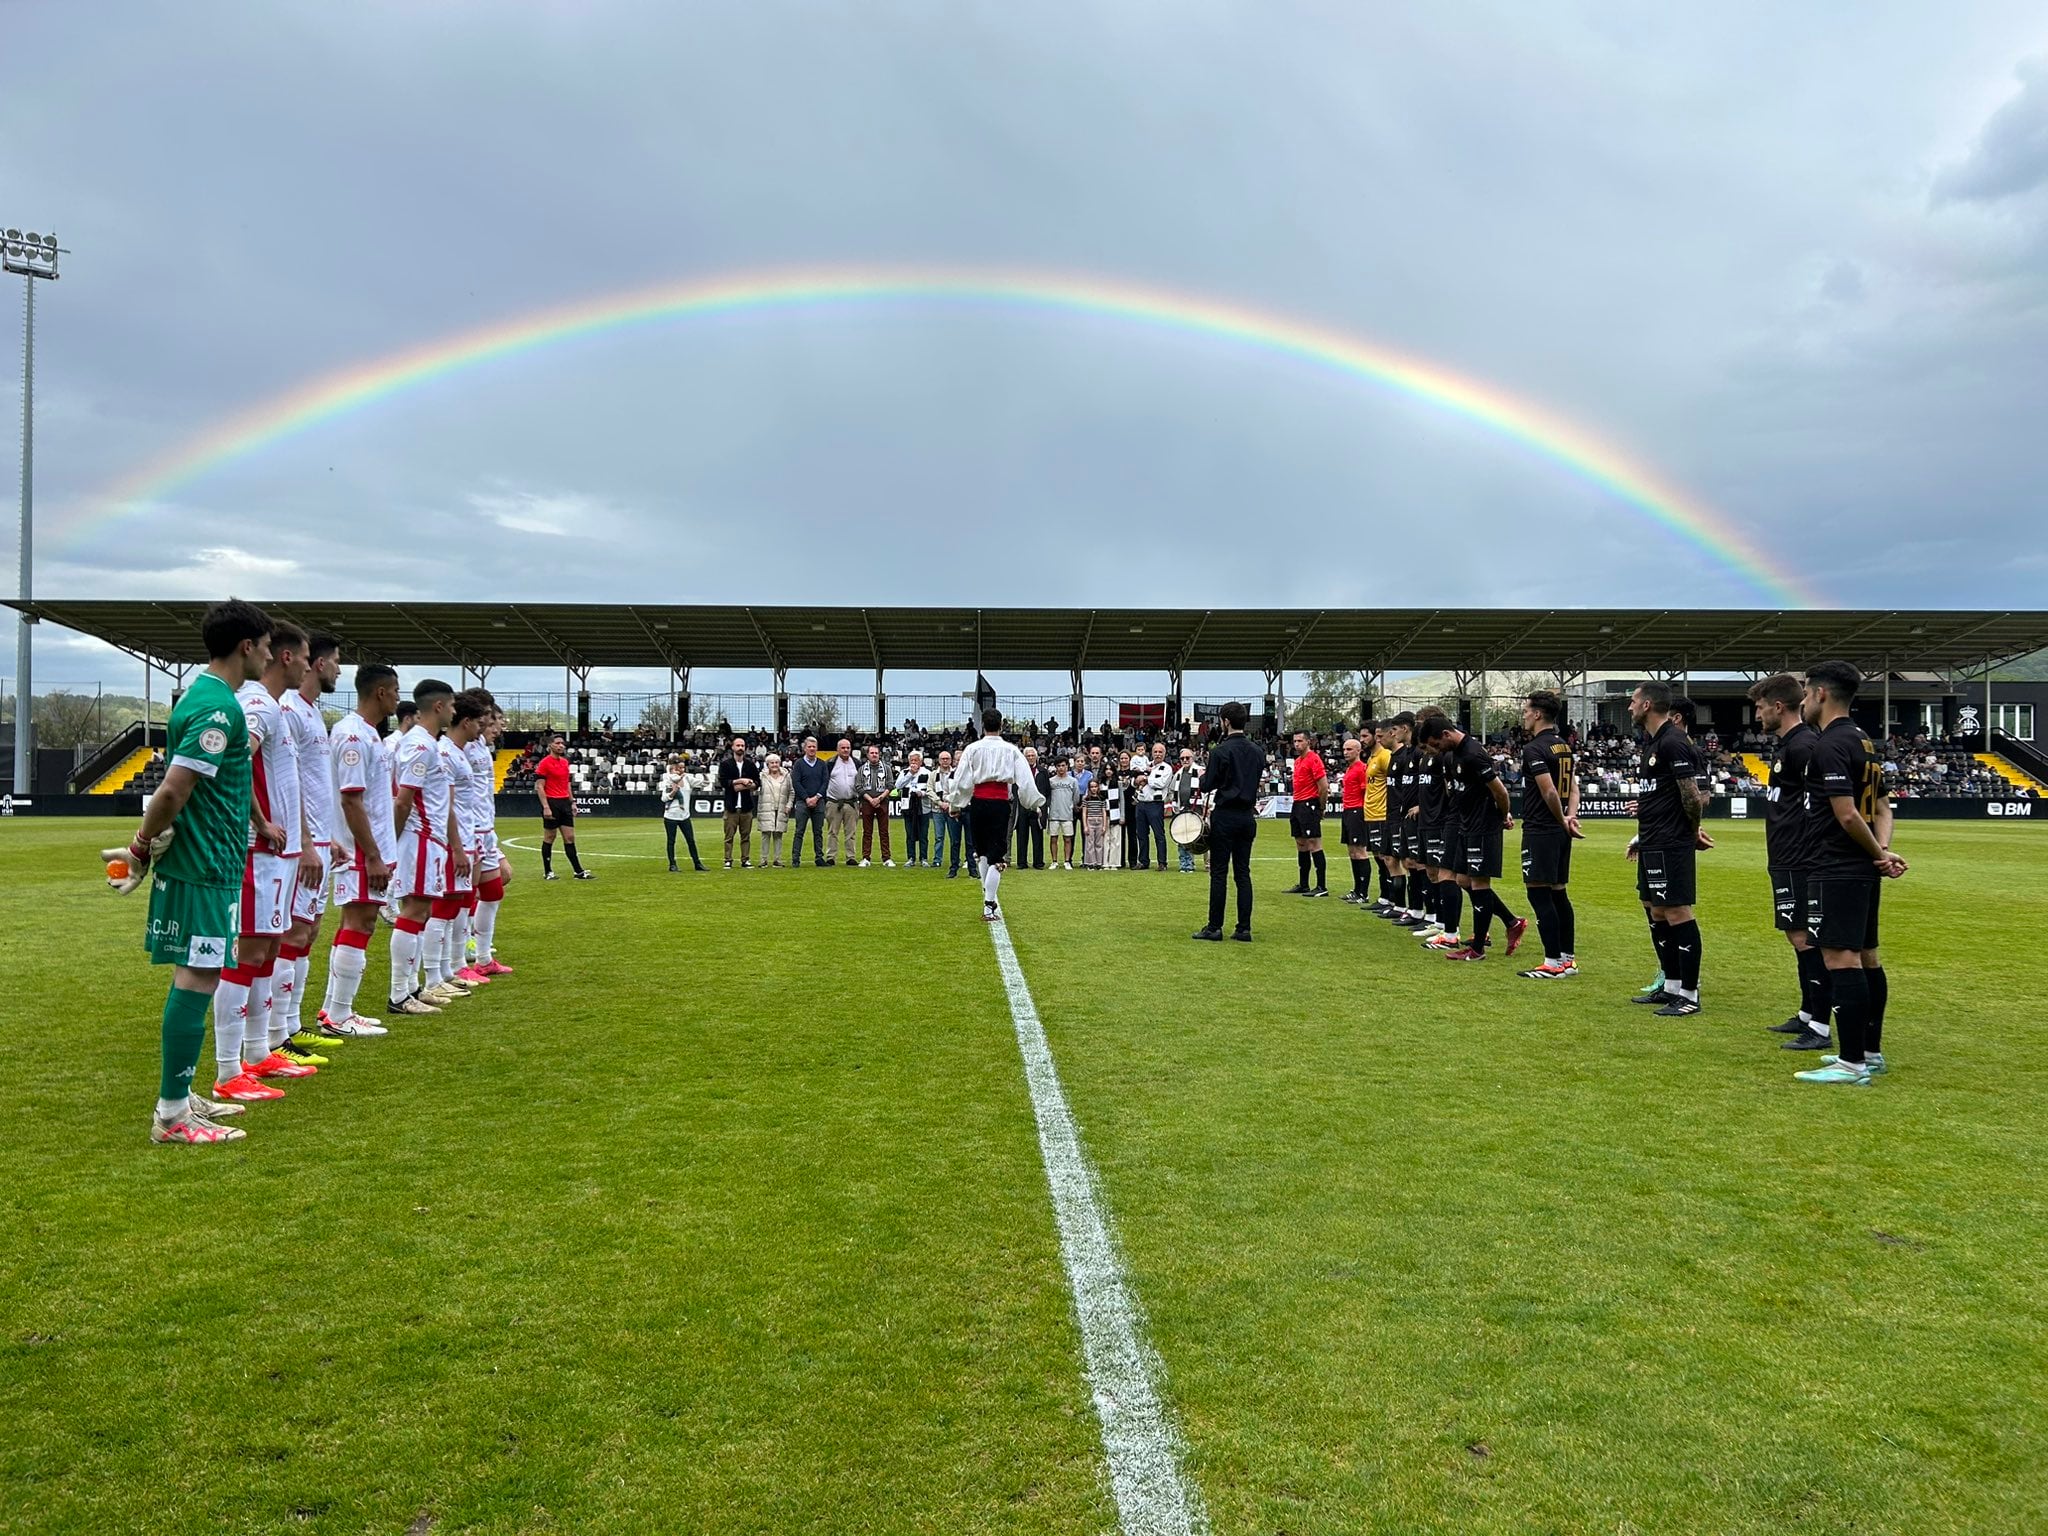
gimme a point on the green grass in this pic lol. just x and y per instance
(725, 1213)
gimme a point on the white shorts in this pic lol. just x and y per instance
(1059, 829)
(267, 882)
(352, 880)
(307, 905)
(422, 868)
(462, 885)
(490, 857)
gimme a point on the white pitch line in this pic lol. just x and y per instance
(1141, 1445)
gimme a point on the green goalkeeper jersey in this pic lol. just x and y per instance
(209, 735)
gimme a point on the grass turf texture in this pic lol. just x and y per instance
(726, 1212)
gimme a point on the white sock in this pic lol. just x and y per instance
(991, 880)
(302, 970)
(458, 940)
(434, 950)
(1690, 994)
(170, 1109)
(486, 930)
(405, 963)
(230, 1019)
(345, 967)
(256, 1036)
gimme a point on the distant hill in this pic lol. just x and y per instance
(2028, 669)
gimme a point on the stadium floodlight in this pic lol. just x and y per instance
(32, 255)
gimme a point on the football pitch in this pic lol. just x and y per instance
(727, 1213)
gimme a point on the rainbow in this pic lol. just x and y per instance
(333, 395)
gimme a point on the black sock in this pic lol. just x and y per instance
(1813, 985)
(1880, 993)
(1660, 939)
(547, 858)
(1851, 990)
(1500, 907)
(1397, 890)
(1482, 917)
(1685, 949)
(1322, 870)
(1301, 858)
(1567, 922)
(1454, 904)
(574, 862)
(1358, 880)
(1546, 920)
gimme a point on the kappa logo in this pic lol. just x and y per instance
(207, 954)
(218, 717)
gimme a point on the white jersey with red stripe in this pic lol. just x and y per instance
(483, 769)
(273, 764)
(362, 766)
(316, 774)
(423, 770)
(455, 763)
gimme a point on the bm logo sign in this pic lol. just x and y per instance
(2010, 808)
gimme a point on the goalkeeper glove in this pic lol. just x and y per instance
(137, 856)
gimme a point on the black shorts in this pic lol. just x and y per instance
(1408, 839)
(1434, 848)
(559, 813)
(1546, 857)
(1788, 900)
(1305, 820)
(1480, 852)
(1379, 836)
(1665, 877)
(1353, 827)
(989, 824)
(1842, 913)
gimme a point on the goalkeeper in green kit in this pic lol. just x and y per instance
(197, 832)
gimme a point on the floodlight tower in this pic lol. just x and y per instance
(34, 257)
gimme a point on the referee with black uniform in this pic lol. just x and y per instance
(1231, 781)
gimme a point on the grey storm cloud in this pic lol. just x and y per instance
(1702, 234)
(2010, 156)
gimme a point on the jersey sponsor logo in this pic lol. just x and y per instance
(213, 741)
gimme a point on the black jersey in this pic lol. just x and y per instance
(1472, 771)
(1669, 759)
(1432, 785)
(1402, 790)
(1844, 762)
(1545, 756)
(1785, 801)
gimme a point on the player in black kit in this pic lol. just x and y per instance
(1479, 802)
(1550, 822)
(1848, 857)
(1667, 836)
(1778, 701)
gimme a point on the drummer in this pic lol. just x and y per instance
(1185, 795)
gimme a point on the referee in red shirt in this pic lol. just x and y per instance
(1311, 784)
(1353, 821)
(557, 808)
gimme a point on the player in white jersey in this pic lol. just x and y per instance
(241, 1005)
(427, 847)
(450, 920)
(474, 711)
(495, 870)
(365, 844)
(991, 780)
(308, 731)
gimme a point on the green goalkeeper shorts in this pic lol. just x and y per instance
(192, 925)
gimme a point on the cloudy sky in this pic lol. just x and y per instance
(1793, 259)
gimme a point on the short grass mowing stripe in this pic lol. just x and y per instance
(1142, 1448)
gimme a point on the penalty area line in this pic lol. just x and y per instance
(1153, 1498)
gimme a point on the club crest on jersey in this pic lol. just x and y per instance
(213, 740)
(1653, 759)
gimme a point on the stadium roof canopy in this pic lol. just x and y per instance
(579, 636)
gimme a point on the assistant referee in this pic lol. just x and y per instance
(1231, 781)
(557, 808)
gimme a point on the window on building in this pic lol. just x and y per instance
(2016, 720)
